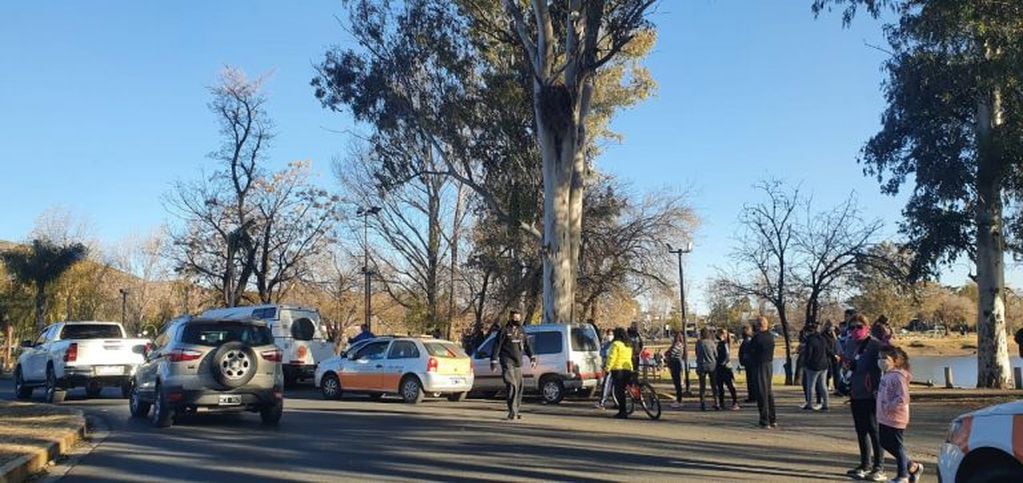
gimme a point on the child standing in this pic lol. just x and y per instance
(893, 410)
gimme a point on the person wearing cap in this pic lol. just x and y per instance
(509, 346)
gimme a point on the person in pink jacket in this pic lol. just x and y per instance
(893, 410)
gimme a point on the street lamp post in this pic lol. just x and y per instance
(367, 272)
(682, 299)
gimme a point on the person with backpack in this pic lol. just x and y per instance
(706, 365)
(860, 358)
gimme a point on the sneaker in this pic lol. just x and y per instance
(817, 407)
(914, 476)
(876, 475)
(599, 405)
(825, 408)
(774, 426)
(676, 405)
(858, 473)
(736, 407)
(806, 407)
(717, 408)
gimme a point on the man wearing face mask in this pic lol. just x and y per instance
(509, 346)
(861, 351)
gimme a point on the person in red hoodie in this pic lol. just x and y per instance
(893, 411)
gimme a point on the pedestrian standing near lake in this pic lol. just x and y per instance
(762, 357)
(828, 332)
(747, 362)
(676, 355)
(725, 376)
(706, 364)
(619, 365)
(860, 359)
(893, 411)
(816, 357)
(509, 346)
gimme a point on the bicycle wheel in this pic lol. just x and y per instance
(651, 403)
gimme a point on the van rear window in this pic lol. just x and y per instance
(584, 339)
(546, 342)
(444, 349)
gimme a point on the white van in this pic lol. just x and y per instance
(297, 331)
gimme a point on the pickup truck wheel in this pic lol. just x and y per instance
(21, 390)
(163, 414)
(54, 393)
(138, 407)
(93, 390)
(271, 415)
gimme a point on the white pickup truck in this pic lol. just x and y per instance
(78, 354)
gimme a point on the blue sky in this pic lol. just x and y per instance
(103, 105)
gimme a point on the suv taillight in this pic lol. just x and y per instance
(431, 365)
(272, 355)
(71, 355)
(183, 355)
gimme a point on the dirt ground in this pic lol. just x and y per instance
(26, 426)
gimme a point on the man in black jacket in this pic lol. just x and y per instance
(761, 354)
(747, 364)
(509, 346)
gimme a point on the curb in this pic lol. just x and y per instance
(28, 465)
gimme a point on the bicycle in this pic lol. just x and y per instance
(643, 393)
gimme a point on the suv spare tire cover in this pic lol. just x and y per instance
(303, 329)
(233, 364)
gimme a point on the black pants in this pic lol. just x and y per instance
(751, 383)
(675, 367)
(620, 379)
(764, 373)
(512, 376)
(705, 378)
(864, 413)
(891, 441)
(725, 378)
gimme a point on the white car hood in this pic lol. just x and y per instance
(1015, 407)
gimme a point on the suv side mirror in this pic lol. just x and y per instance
(27, 344)
(140, 349)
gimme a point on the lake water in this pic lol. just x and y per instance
(924, 368)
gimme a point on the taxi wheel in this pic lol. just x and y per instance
(331, 386)
(411, 390)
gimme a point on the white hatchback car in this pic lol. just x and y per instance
(411, 367)
(985, 446)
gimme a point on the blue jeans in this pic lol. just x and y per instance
(891, 441)
(815, 380)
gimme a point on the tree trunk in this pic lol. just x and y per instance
(992, 348)
(563, 192)
(784, 319)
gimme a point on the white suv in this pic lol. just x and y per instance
(985, 446)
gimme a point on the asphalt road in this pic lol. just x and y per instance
(357, 438)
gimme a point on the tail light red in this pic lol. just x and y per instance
(71, 355)
(183, 355)
(272, 355)
(431, 365)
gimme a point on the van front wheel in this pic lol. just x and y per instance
(552, 389)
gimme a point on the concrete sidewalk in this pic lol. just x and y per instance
(32, 435)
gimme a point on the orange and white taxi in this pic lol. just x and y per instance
(411, 367)
(984, 446)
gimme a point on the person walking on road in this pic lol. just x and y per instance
(509, 346)
(747, 363)
(860, 358)
(706, 365)
(676, 355)
(762, 357)
(893, 411)
(619, 365)
(725, 376)
(816, 357)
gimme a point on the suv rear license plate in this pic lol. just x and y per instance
(109, 370)
(230, 400)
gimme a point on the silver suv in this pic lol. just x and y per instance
(208, 365)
